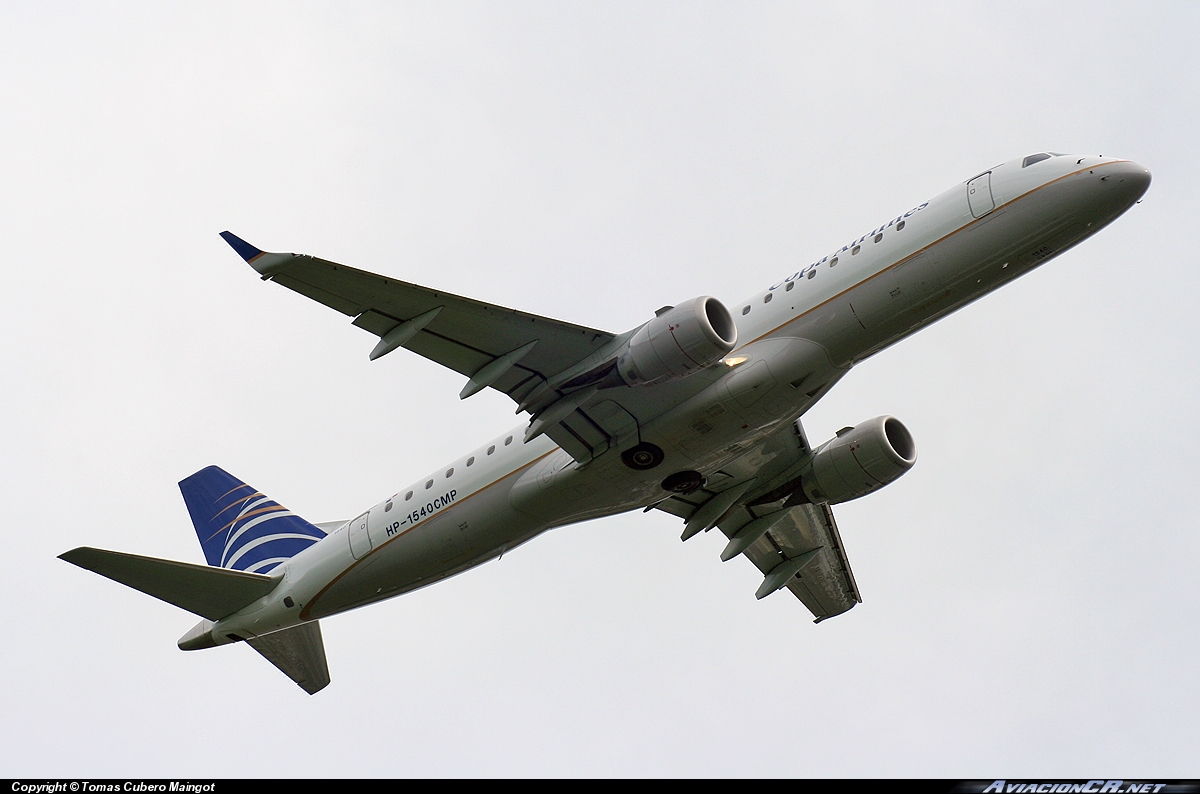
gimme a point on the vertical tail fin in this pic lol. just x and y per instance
(241, 528)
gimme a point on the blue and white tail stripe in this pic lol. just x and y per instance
(241, 528)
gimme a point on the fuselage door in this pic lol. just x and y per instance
(360, 542)
(979, 195)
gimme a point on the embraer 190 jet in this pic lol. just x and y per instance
(695, 412)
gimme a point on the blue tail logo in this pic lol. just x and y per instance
(241, 528)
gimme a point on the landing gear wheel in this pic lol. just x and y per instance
(683, 482)
(642, 457)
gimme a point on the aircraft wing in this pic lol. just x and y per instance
(794, 545)
(826, 586)
(465, 335)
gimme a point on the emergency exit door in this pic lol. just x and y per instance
(360, 542)
(979, 195)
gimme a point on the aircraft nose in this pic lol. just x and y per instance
(1127, 179)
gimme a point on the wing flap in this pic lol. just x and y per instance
(826, 586)
(449, 352)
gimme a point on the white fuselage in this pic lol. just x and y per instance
(797, 338)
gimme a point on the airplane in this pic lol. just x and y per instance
(696, 412)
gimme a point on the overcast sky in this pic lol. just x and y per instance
(1031, 598)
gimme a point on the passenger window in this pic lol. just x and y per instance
(491, 449)
(812, 272)
(470, 460)
(387, 508)
(408, 496)
(449, 471)
(899, 225)
(746, 310)
(833, 262)
(1035, 158)
(879, 237)
(429, 485)
(508, 441)
(768, 296)
(788, 288)
(855, 250)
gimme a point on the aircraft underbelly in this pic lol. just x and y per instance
(779, 379)
(715, 427)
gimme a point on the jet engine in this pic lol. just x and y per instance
(859, 460)
(679, 341)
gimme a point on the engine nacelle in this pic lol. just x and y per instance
(859, 460)
(682, 340)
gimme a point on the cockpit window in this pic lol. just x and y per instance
(1035, 158)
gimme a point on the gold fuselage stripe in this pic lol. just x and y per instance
(304, 613)
(926, 248)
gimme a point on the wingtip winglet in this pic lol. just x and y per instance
(267, 264)
(243, 248)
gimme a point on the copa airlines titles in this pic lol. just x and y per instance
(899, 219)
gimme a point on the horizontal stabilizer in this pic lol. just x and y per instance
(202, 590)
(299, 653)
